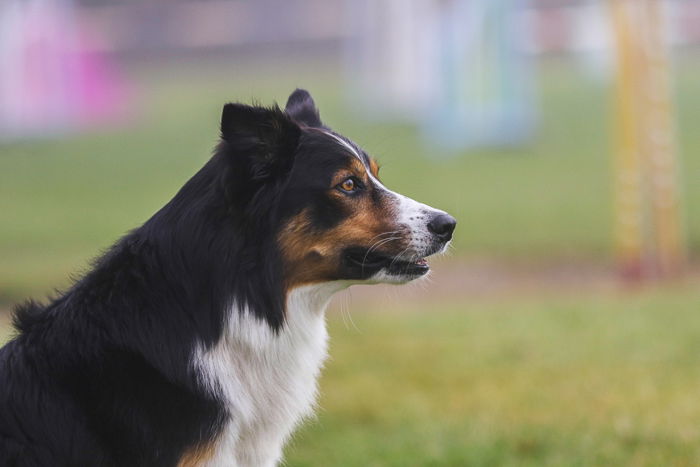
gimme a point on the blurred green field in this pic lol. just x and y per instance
(63, 201)
(590, 378)
(579, 381)
(582, 381)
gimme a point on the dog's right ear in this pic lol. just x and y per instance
(261, 140)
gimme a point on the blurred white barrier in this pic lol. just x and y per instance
(458, 69)
(50, 81)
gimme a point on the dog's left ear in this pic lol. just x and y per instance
(262, 141)
(302, 108)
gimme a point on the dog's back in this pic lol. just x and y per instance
(73, 394)
(39, 423)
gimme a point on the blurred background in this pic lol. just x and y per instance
(564, 326)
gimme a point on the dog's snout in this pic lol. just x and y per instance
(442, 225)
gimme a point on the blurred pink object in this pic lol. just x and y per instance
(101, 90)
(50, 80)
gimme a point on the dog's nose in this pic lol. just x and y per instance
(442, 225)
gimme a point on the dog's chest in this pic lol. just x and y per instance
(267, 380)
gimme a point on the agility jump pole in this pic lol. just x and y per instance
(648, 231)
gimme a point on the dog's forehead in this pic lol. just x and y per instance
(347, 145)
(347, 148)
(367, 161)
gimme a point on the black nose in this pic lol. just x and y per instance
(442, 225)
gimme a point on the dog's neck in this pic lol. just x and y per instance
(266, 378)
(313, 298)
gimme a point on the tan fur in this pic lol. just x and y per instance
(197, 455)
(355, 168)
(374, 168)
(312, 257)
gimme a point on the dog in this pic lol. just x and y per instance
(197, 339)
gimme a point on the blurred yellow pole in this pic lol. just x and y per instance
(629, 215)
(661, 151)
(648, 229)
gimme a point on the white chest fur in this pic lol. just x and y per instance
(267, 379)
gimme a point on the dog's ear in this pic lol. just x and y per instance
(261, 140)
(301, 107)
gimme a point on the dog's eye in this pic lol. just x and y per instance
(349, 185)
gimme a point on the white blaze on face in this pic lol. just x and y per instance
(345, 144)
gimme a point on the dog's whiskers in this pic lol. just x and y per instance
(376, 245)
(392, 232)
(399, 257)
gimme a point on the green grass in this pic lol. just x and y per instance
(587, 381)
(560, 381)
(61, 201)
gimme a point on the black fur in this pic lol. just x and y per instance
(101, 376)
(302, 108)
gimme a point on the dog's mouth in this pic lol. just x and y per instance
(370, 262)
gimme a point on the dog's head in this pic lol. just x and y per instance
(333, 218)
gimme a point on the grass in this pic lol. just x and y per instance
(572, 381)
(61, 201)
(564, 381)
